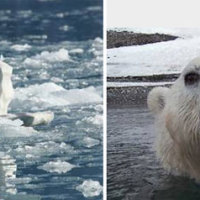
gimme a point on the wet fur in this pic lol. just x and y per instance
(177, 123)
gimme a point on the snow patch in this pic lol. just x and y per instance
(158, 58)
(135, 84)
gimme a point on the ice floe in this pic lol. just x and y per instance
(48, 57)
(97, 119)
(43, 149)
(50, 94)
(57, 167)
(19, 47)
(90, 188)
(90, 142)
(14, 128)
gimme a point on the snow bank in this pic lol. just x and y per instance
(57, 167)
(49, 94)
(133, 84)
(90, 188)
(158, 58)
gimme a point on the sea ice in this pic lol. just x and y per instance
(14, 128)
(97, 119)
(19, 47)
(57, 166)
(90, 188)
(90, 142)
(53, 95)
(48, 57)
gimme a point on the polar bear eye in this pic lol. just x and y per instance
(191, 78)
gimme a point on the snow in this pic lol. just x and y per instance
(90, 188)
(57, 167)
(157, 58)
(133, 84)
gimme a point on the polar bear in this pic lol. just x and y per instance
(177, 121)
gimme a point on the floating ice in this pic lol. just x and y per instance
(43, 149)
(57, 166)
(97, 119)
(49, 94)
(10, 128)
(65, 28)
(90, 188)
(48, 57)
(76, 51)
(33, 119)
(94, 8)
(90, 142)
(18, 47)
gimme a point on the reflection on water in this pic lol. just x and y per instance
(8, 170)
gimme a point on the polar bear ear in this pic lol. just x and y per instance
(156, 99)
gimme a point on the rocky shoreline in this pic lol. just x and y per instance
(132, 95)
(117, 39)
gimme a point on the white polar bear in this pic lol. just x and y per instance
(177, 118)
(6, 88)
(6, 95)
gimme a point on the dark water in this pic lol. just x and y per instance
(22, 18)
(133, 171)
(55, 49)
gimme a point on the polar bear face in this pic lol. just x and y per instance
(189, 80)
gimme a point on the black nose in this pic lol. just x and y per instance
(191, 78)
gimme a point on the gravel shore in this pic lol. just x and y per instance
(124, 38)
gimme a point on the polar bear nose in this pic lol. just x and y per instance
(191, 78)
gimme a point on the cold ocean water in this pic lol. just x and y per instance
(55, 49)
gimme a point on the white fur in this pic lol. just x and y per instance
(6, 88)
(178, 125)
